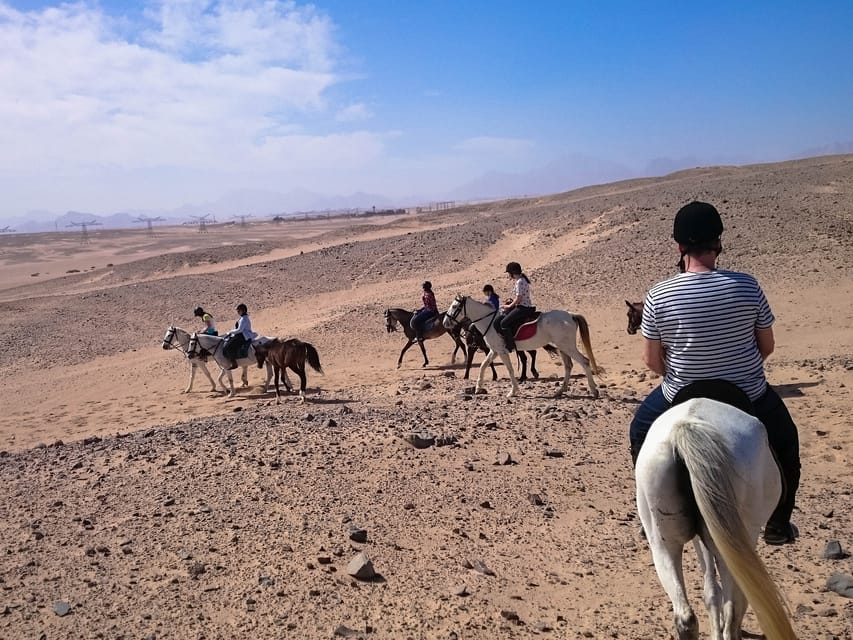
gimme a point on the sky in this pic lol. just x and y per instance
(148, 106)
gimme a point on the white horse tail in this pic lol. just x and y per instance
(710, 465)
(583, 325)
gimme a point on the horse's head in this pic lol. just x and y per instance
(390, 321)
(456, 313)
(193, 347)
(169, 337)
(635, 316)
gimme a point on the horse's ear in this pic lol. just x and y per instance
(630, 306)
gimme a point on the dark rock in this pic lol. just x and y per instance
(91, 440)
(61, 608)
(509, 615)
(479, 566)
(833, 551)
(535, 499)
(345, 632)
(419, 440)
(358, 535)
(460, 590)
(554, 453)
(196, 569)
(504, 458)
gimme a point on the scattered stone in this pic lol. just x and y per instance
(506, 614)
(833, 551)
(61, 608)
(324, 560)
(361, 567)
(424, 386)
(196, 569)
(503, 458)
(479, 566)
(358, 535)
(91, 440)
(308, 417)
(170, 461)
(469, 391)
(237, 409)
(840, 584)
(346, 410)
(345, 632)
(409, 506)
(554, 453)
(331, 423)
(485, 504)
(420, 440)
(445, 440)
(460, 590)
(543, 627)
(535, 499)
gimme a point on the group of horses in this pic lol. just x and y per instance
(705, 473)
(274, 354)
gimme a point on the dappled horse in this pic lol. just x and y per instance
(635, 316)
(292, 354)
(201, 343)
(434, 329)
(474, 341)
(177, 338)
(558, 328)
(706, 473)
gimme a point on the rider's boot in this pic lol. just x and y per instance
(509, 340)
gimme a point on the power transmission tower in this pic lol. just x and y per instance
(84, 228)
(150, 222)
(242, 218)
(201, 221)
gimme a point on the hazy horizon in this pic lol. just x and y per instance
(122, 106)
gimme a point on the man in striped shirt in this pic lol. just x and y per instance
(711, 324)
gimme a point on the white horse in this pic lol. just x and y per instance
(177, 338)
(557, 327)
(213, 345)
(706, 473)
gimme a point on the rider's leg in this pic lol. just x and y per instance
(784, 439)
(510, 323)
(652, 407)
(417, 324)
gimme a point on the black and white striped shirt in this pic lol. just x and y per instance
(706, 323)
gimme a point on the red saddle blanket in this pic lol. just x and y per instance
(526, 331)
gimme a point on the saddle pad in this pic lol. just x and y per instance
(526, 331)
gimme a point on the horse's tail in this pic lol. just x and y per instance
(583, 325)
(711, 468)
(312, 357)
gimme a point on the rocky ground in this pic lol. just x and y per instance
(130, 510)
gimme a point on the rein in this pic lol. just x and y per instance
(464, 310)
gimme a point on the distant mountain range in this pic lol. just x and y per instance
(563, 174)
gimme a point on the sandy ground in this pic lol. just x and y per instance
(158, 514)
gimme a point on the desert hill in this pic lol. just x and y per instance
(157, 514)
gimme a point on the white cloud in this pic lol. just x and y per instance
(195, 85)
(495, 145)
(354, 112)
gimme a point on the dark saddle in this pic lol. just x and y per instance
(719, 390)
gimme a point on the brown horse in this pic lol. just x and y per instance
(635, 316)
(434, 329)
(292, 354)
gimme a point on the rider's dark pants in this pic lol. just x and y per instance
(233, 346)
(781, 433)
(508, 324)
(419, 320)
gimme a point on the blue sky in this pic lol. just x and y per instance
(117, 106)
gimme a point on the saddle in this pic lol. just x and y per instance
(719, 390)
(528, 329)
(732, 395)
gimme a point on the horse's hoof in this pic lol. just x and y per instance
(595, 394)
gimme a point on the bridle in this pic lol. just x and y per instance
(463, 308)
(193, 345)
(169, 337)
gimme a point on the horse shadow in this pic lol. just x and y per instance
(793, 389)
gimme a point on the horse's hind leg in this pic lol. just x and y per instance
(403, 352)
(571, 350)
(711, 588)
(245, 376)
(277, 372)
(533, 370)
(303, 380)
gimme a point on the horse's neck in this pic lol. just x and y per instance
(480, 315)
(183, 337)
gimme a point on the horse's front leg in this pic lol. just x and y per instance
(423, 351)
(485, 365)
(533, 370)
(511, 372)
(403, 352)
(232, 392)
(245, 376)
(209, 377)
(192, 377)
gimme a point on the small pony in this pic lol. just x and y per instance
(292, 354)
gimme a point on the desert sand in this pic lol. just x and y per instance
(132, 510)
